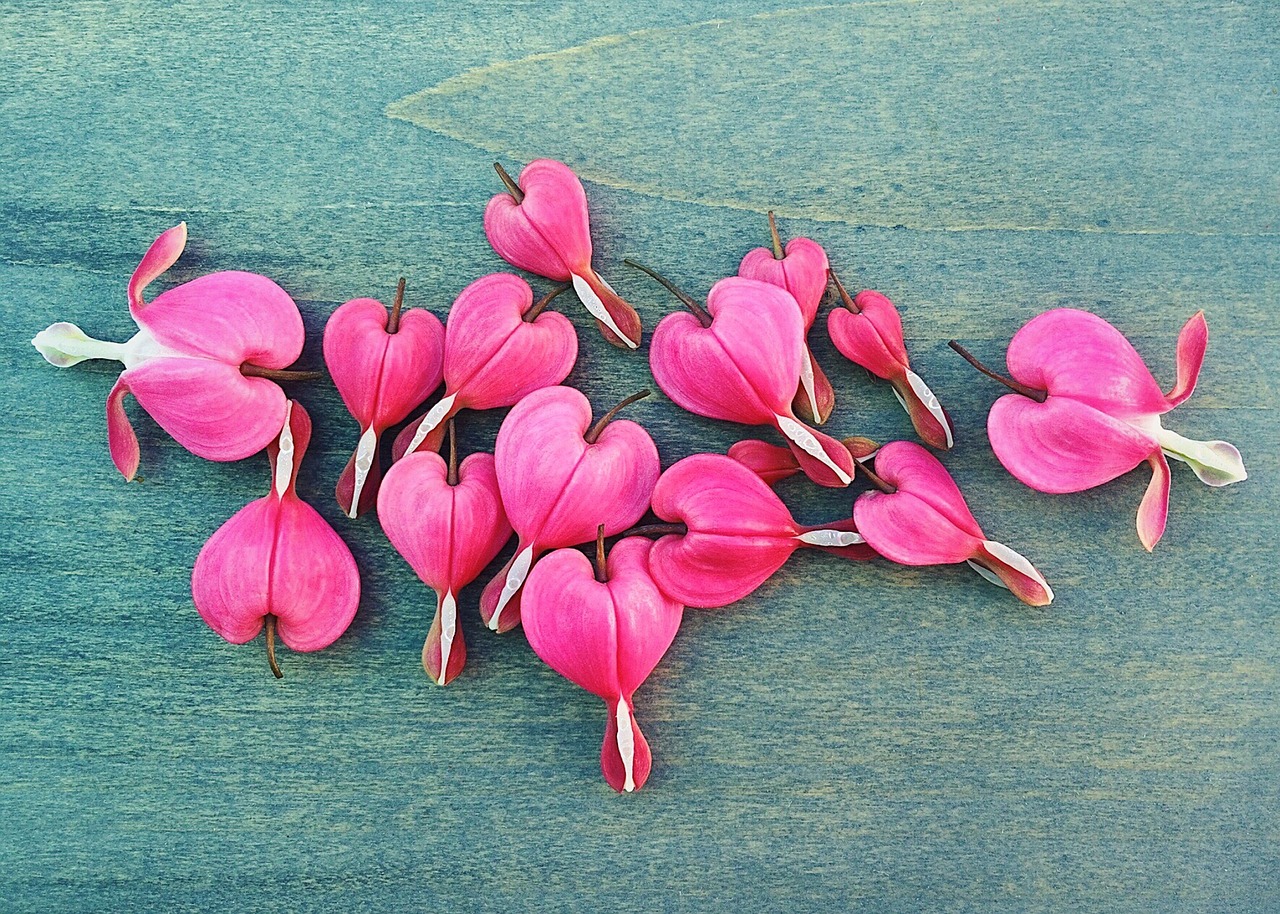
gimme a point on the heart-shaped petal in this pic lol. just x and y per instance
(546, 232)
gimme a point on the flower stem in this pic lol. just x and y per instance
(453, 454)
(777, 240)
(876, 481)
(279, 374)
(544, 301)
(593, 434)
(845, 298)
(271, 646)
(1038, 395)
(703, 317)
(656, 530)
(512, 187)
(393, 322)
(602, 573)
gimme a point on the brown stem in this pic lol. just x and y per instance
(512, 187)
(656, 530)
(453, 454)
(393, 322)
(777, 240)
(544, 301)
(271, 646)
(602, 574)
(703, 317)
(1038, 395)
(594, 433)
(876, 481)
(279, 374)
(845, 298)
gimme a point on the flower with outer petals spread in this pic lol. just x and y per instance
(606, 634)
(383, 366)
(868, 332)
(498, 347)
(925, 521)
(278, 560)
(801, 269)
(738, 532)
(540, 225)
(188, 363)
(1098, 413)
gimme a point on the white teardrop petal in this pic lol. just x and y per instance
(626, 746)
(597, 309)
(366, 450)
(805, 440)
(433, 418)
(831, 538)
(448, 631)
(930, 402)
(515, 579)
(284, 457)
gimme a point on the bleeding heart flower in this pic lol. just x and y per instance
(448, 524)
(774, 464)
(201, 363)
(868, 332)
(383, 366)
(738, 360)
(559, 480)
(605, 634)
(919, 517)
(278, 560)
(736, 532)
(802, 271)
(540, 225)
(498, 347)
(1087, 410)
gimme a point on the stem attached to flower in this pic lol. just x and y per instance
(602, 573)
(876, 481)
(656, 530)
(512, 187)
(393, 322)
(453, 454)
(703, 317)
(1035, 394)
(777, 239)
(544, 301)
(593, 434)
(271, 646)
(279, 374)
(845, 298)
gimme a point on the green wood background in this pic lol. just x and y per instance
(864, 738)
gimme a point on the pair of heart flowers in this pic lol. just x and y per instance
(209, 355)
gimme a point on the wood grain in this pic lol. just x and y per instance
(850, 737)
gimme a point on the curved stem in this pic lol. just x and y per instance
(656, 530)
(453, 454)
(271, 646)
(602, 573)
(545, 300)
(703, 317)
(594, 433)
(279, 374)
(845, 298)
(876, 481)
(777, 239)
(1038, 395)
(393, 322)
(512, 187)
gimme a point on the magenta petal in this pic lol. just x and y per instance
(1062, 445)
(163, 253)
(864, 341)
(315, 585)
(548, 232)
(907, 529)
(768, 461)
(692, 368)
(1193, 340)
(569, 619)
(209, 408)
(711, 570)
(908, 466)
(802, 271)
(1153, 512)
(1075, 354)
(121, 439)
(231, 582)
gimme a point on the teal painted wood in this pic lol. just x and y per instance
(848, 738)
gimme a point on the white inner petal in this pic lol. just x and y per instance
(806, 441)
(626, 746)
(365, 452)
(597, 308)
(930, 403)
(831, 538)
(448, 630)
(1018, 561)
(807, 382)
(284, 457)
(434, 417)
(515, 578)
(988, 574)
(1215, 463)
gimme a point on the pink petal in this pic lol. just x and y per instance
(569, 619)
(231, 582)
(871, 338)
(1062, 445)
(1076, 354)
(548, 233)
(232, 317)
(615, 317)
(710, 570)
(1012, 570)
(768, 461)
(1153, 512)
(1193, 340)
(315, 585)
(434, 648)
(208, 407)
(823, 459)
(121, 439)
(646, 620)
(163, 253)
(823, 394)
(907, 529)
(802, 271)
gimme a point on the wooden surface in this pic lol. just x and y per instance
(849, 738)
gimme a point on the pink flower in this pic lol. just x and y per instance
(738, 359)
(1087, 410)
(919, 517)
(278, 560)
(200, 361)
(498, 347)
(606, 634)
(802, 271)
(559, 479)
(447, 524)
(383, 366)
(868, 332)
(736, 532)
(540, 225)
(774, 464)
